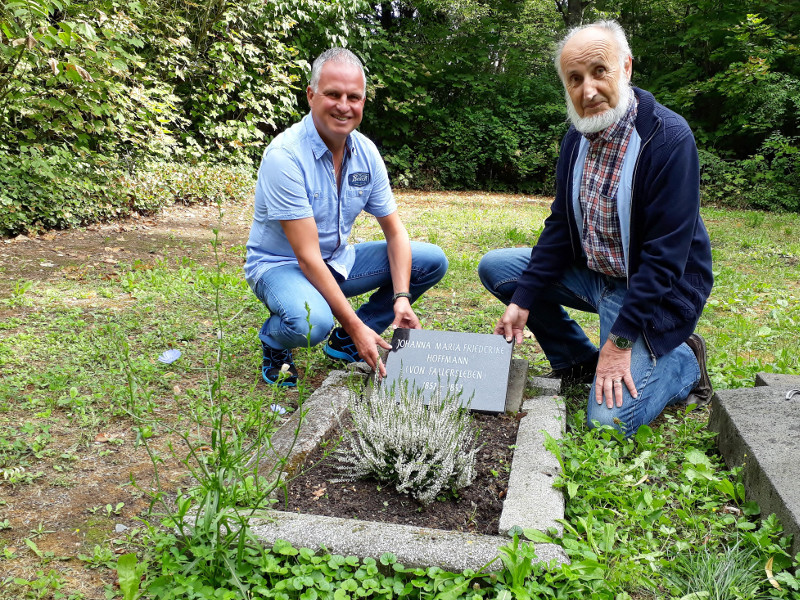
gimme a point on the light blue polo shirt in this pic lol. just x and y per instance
(296, 180)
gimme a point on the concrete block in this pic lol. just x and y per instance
(317, 418)
(413, 546)
(532, 501)
(544, 386)
(517, 377)
(759, 429)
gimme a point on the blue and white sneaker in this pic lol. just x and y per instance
(278, 367)
(341, 347)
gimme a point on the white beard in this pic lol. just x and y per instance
(605, 119)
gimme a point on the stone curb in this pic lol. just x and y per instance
(414, 546)
(532, 502)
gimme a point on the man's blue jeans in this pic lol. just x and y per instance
(660, 381)
(285, 291)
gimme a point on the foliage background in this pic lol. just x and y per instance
(96, 96)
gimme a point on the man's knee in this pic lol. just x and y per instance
(429, 264)
(494, 275)
(486, 270)
(309, 328)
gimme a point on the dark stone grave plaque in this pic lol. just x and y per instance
(474, 364)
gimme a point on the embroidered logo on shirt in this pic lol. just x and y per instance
(358, 179)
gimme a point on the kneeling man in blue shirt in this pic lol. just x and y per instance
(315, 179)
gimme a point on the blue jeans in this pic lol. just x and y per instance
(660, 381)
(285, 291)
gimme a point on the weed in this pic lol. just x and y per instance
(102, 556)
(727, 573)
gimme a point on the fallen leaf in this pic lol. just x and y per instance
(319, 493)
(768, 570)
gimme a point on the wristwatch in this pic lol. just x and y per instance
(620, 342)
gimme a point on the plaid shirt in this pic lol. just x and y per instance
(602, 241)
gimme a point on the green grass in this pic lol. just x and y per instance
(640, 513)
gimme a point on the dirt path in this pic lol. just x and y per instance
(99, 247)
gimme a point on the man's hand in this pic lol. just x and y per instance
(404, 315)
(367, 342)
(512, 323)
(613, 370)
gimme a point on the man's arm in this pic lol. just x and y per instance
(398, 248)
(304, 239)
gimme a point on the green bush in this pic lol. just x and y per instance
(58, 189)
(769, 179)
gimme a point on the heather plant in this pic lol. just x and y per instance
(423, 450)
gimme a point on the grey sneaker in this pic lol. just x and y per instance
(702, 393)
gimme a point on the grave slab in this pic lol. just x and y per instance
(532, 502)
(760, 430)
(474, 364)
(778, 380)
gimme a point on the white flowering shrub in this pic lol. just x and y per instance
(396, 438)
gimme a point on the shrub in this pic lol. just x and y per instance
(424, 450)
(769, 179)
(60, 189)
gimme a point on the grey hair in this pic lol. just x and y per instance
(610, 26)
(337, 55)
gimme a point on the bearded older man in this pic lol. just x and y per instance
(624, 240)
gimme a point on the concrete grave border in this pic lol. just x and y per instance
(757, 429)
(531, 501)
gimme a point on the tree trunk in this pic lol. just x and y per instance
(571, 11)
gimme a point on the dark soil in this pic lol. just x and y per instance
(476, 508)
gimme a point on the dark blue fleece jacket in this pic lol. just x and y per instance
(669, 257)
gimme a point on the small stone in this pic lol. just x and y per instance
(119, 528)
